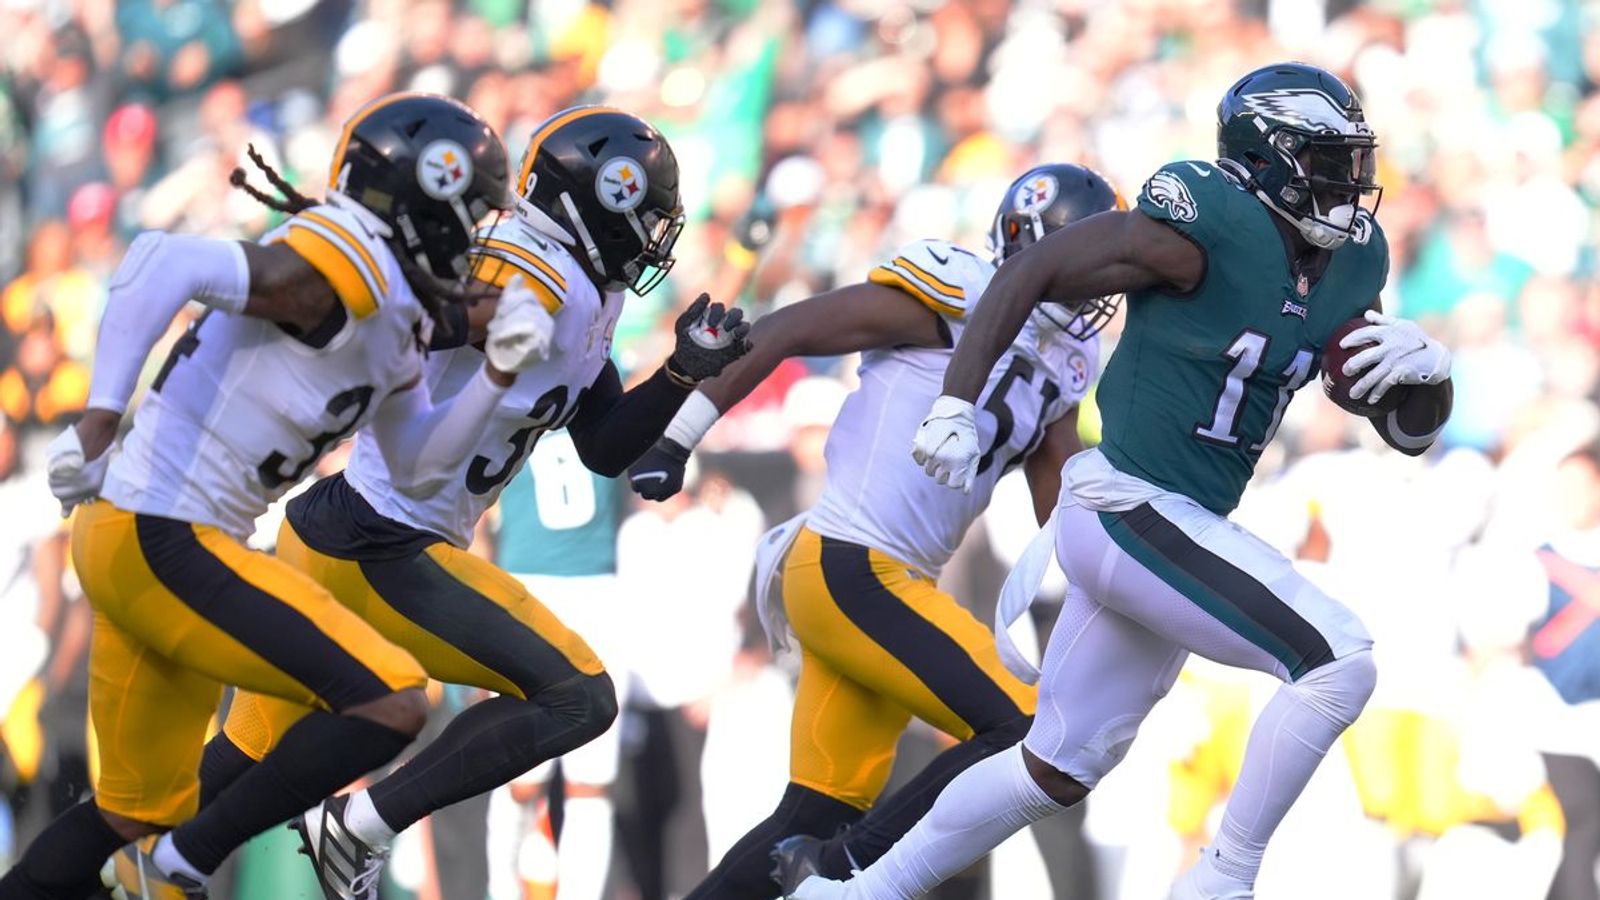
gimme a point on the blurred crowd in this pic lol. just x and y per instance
(814, 136)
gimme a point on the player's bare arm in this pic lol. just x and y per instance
(286, 289)
(1110, 253)
(845, 320)
(1043, 465)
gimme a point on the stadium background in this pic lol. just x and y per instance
(814, 136)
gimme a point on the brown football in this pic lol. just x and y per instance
(1337, 385)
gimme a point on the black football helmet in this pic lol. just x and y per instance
(1044, 199)
(604, 183)
(1295, 135)
(428, 167)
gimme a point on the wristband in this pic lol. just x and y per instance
(693, 420)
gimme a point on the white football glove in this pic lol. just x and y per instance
(521, 331)
(1400, 353)
(73, 479)
(946, 444)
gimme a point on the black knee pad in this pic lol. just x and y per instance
(589, 701)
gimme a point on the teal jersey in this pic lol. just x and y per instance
(556, 516)
(1199, 382)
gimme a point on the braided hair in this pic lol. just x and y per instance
(432, 293)
(292, 200)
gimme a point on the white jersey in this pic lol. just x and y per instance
(543, 398)
(876, 494)
(242, 410)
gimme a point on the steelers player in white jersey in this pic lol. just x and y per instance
(880, 642)
(597, 214)
(314, 332)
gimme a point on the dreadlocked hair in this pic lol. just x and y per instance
(436, 295)
(292, 200)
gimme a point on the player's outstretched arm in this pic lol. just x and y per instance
(1108, 253)
(1043, 465)
(423, 443)
(850, 319)
(613, 430)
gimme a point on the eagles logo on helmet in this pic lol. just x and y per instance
(604, 183)
(1044, 199)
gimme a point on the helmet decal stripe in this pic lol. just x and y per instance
(1303, 108)
(350, 128)
(549, 129)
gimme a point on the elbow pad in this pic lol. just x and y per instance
(158, 275)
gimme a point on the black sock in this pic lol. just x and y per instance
(491, 743)
(892, 816)
(222, 764)
(320, 754)
(745, 871)
(63, 862)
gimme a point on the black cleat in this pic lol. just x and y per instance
(796, 858)
(347, 867)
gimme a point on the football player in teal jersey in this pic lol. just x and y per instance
(1236, 273)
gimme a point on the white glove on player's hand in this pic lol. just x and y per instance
(946, 444)
(73, 479)
(521, 331)
(1399, 353)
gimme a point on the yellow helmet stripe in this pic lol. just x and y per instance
(571, 115)
(523, 254)
(350, 127)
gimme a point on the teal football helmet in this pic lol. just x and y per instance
(1295, 136)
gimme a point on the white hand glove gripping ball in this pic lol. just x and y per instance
(521, 331)
(946, 444)
(1400, 352)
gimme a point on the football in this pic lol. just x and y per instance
(1337, 385)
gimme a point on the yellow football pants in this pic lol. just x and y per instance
(881, 643)
(181, 610)
(463, 618)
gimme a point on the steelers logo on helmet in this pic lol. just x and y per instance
(620, 184)
(444, 170)
(1035, 193)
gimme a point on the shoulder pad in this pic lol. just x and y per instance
(508, 248)
(945, 277)
(357, 263)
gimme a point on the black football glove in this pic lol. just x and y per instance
(709, 338)
(658, 474)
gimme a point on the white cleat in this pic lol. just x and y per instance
(1189, 885)
(818, 888)
(348, 868)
